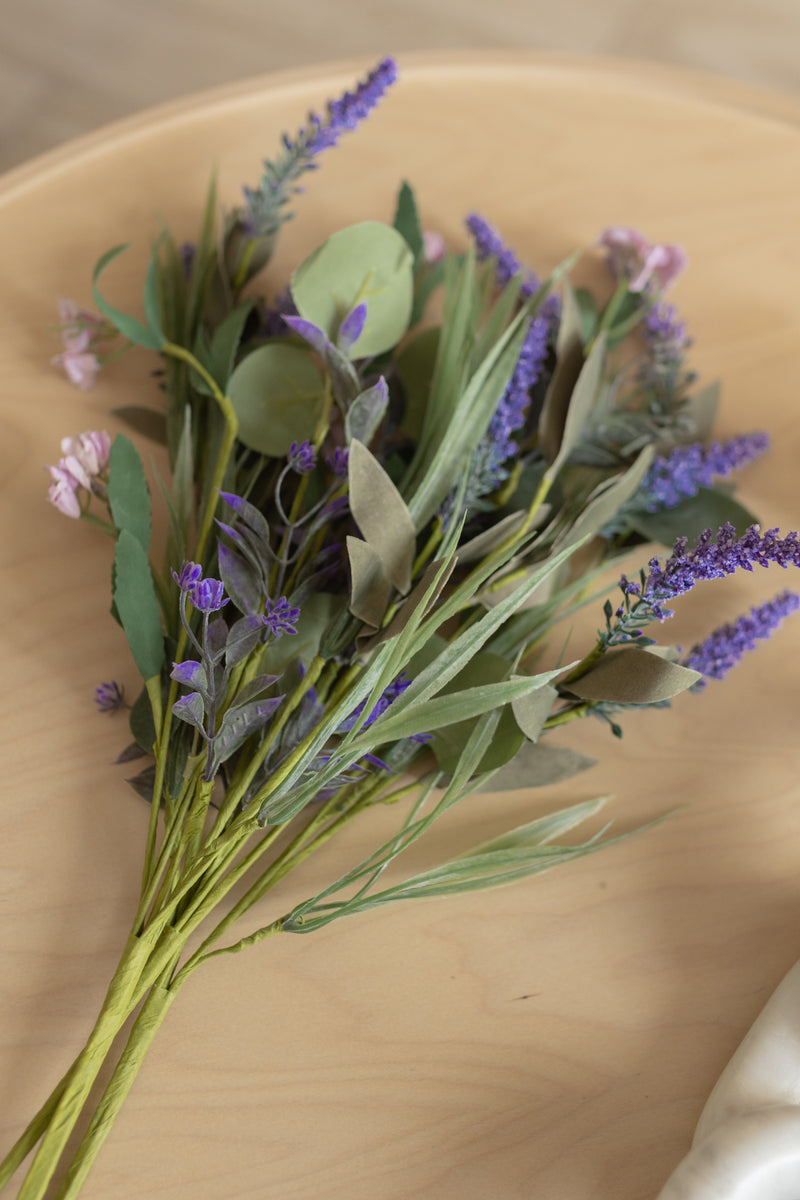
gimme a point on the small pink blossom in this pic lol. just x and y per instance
(81, 369)
(91, 449)
(63, 492)
(433, 246)
(80, 331)
(85, 460)
(647, 267)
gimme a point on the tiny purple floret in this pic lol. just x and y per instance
(302, 457)
(280, 618)
(188, 576)
(109, 697)
(208, 595)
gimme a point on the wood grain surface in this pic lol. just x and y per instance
(550, 1041)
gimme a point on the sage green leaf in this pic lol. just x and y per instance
(630, 675)
(128, 494)
(381, 514)
(366, 413)
(581, 402)
(415, 363)
(587, 313)
(484, 543)
(128, 326)
(709, 509)
(406, 220)
(370, 587)
(703, 407)
(449, 743)
(225, 343)
(277, 394)
(366, 262)
(569, 361)
(183, 485)
(531, 711)
(538, 765)
(605, 505)
(148, 421)
(135, 600)
(422, 595)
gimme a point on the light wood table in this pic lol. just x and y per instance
(553, 1040)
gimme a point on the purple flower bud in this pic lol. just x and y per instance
(280, 618)
(208, 595)
(338, 461)
(109, 697)
(188, 576)
(302, 457)
(352, 327)
(190, 672)
(489, 244)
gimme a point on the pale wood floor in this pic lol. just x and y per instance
(68, 66)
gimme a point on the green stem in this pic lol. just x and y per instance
(65, 1113)
(28, 1139)
(146, 1026)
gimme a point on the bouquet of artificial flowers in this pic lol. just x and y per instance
(388, 484)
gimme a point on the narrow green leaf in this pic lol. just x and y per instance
(446, 710)
(151, 299)
(128, 326)
(135, 599)
(603, 507)
(581, 403)
(128, 494)
(569, 361)
(225, 343)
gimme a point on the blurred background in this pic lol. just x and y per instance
(69, 66)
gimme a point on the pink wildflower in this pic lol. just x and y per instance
(84, 462)
(80, 330)
(433, 246)
(646, 266)
(63, 492)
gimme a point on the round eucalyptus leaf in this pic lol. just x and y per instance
(277, 394)
(367, 262)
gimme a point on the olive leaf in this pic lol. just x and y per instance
(709, 509)
(381, 515)
(531, 711)
(630, 675)
(538, 765)
(569, 361)
(581, 402)
(370, 587)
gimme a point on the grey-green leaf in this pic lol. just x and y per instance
(630, 675)
(709, 509)
(532, 711)
(277, 394)
(381, 514)
(370, 587)
(538, 765)
(581, 403)
(135, 599)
